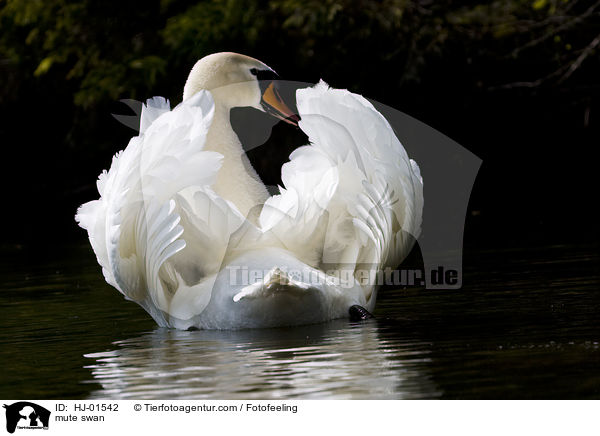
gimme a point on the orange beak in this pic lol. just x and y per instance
(274, 105)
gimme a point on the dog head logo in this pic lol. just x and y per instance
(26, 415)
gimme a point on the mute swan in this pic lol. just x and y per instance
(185, 227)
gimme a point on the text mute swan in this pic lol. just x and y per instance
(185, 227)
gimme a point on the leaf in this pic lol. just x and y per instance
(44, 66)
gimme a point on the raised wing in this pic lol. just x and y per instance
(352, 200)
(156, 205)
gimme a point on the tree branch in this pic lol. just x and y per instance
(577, 19)
(582, 57)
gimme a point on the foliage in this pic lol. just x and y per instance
(456, 65)
(113, 49)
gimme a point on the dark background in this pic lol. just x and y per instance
(516, 82)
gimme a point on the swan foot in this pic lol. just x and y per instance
(359, 313)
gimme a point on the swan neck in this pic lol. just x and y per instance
(222, 138)
(237, 181)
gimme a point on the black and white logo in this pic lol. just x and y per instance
(26, 415)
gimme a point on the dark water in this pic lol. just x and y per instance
(525, 325)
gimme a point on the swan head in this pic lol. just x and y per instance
(235, 80)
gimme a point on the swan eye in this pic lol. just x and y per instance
(263, 74)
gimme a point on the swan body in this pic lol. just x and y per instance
(185, 227)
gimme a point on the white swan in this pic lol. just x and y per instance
(185, 227)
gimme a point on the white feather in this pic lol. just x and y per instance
(167, 240)
(370, 195)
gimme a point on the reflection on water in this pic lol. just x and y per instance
(525, 325)
(332, 360)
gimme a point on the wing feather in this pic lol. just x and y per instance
(136, 227)
(355, 178)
